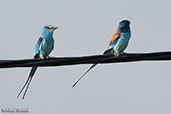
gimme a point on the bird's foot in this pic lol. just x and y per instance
(116, 54)
(42, 58)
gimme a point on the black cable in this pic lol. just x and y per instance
(100, 59)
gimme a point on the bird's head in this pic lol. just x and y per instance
(124, 26)
(48, 30)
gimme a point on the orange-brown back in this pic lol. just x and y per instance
(113, 38)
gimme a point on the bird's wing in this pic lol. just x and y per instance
(37, 48)
(113, 40)
(122, 43)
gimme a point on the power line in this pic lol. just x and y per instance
(100, 59)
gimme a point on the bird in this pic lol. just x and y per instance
(117, 43)
(43, 48)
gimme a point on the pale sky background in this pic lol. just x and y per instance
(85, 28)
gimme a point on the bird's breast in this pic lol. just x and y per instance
(47, 47)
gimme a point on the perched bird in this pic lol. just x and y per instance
(117, 44)
(43, 48)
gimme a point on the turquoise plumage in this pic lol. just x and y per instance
(43, 48)
(117, 44)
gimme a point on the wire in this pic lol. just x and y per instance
(94, 59)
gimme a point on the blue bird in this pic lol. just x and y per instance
(43, 48)
(117, 44)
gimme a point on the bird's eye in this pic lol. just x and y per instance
(48, 28)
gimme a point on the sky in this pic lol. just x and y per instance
(85, 28)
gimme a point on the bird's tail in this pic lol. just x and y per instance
(33, 70)
(106, 52)
(84, 74)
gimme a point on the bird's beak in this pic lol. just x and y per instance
(54, 28)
